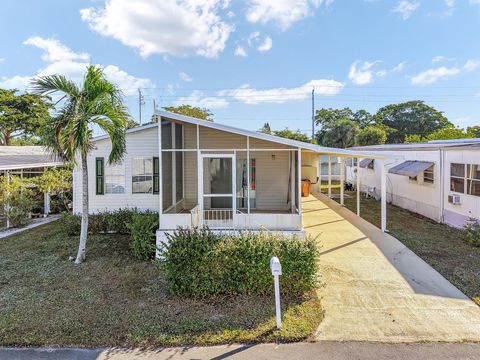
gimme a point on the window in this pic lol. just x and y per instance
(142, 176)
(428, 175)
(473, 180)
(465, 178)
(457, 177)
(114, 179)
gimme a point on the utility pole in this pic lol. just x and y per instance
(141, 101)
(313, 114)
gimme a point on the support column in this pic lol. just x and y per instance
(358, 186)
(383, 178)
(248, 175)
(299, 166)
(292, 181)
(160, 174)
(7, 205)
(319, 174)
(199, 179)
(46, 204)
(329, 176)
(342, 180)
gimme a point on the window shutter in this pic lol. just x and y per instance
(156, 175)
(100, 175)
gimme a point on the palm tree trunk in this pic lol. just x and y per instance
(84, 228)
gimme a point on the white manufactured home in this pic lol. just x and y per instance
(439, 179)
(200, 173)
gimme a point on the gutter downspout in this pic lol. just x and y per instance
(442, 185)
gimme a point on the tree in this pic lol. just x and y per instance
(324, 117)
(293, 135)
(55, 182)
(410, 118)
(192, 111)
(371, 135)
(340, 134)
(21, 116)
(448, 133)
(474, 131)
(96, 102)
(265, 129)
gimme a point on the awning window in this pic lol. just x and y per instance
(411, 168)
(366, 163)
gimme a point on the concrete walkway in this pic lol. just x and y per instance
(298, 351)
(35, 223)
(376, 289)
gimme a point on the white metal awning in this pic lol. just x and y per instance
(410, 168)
(365, 163)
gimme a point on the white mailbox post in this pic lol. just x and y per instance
(276, 268)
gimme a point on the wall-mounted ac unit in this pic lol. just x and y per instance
(454, 199)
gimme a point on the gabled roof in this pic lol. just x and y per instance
(253, 134)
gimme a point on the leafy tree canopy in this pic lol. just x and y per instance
(474, 131)
(448, 133)
(410, 118)
(22, 116)
(192, 111)
(325, 117)
(339, 133)
(293, 135)
(371, 135)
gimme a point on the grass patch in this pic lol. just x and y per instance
(441, 246)
(116, 300)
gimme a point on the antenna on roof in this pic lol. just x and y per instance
(141, 102)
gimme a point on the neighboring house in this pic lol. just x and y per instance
(205, 173)
(27, 162)
(439, 179)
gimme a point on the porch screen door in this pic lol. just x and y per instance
(218, 191)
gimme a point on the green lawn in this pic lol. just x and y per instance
(115, 300)
(439, 245)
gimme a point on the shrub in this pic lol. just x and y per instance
(71, 223)
(472, 232)
(142, 229)
(197, 263)
(19, 209)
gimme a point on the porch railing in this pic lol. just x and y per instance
(218, 218)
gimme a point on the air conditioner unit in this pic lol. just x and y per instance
(454, 199)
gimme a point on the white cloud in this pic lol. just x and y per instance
(361, 73)
(54, 50)
(240, 51)
(2, 60)
(61, 60)
(474, 2)
(176, 27)
(266, 45)
(398, 68)
(249, 95)
(441, 58)
(282, 12)
(406, 8)
(471, 65)
(198, 98)
(381, 73)
(432, 75)
(450, 5)
(185, 77)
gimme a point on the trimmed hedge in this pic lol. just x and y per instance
(197, 263)
(141, 227)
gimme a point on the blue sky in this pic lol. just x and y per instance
(255, 61)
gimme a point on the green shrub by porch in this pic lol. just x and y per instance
(198, 263)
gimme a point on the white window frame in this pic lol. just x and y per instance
(107, 175)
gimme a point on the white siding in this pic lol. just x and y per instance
(139, 144)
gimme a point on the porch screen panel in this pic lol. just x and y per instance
(242, 183)
(218, 180)
(167, 176)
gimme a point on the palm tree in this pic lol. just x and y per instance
(97, 102)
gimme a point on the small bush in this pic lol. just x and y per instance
(198, 263)
(472, 232)
(142, 229)
(19, 209)
(71, 223)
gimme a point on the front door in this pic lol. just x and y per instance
(217, 195)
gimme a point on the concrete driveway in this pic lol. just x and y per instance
(376, 289)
